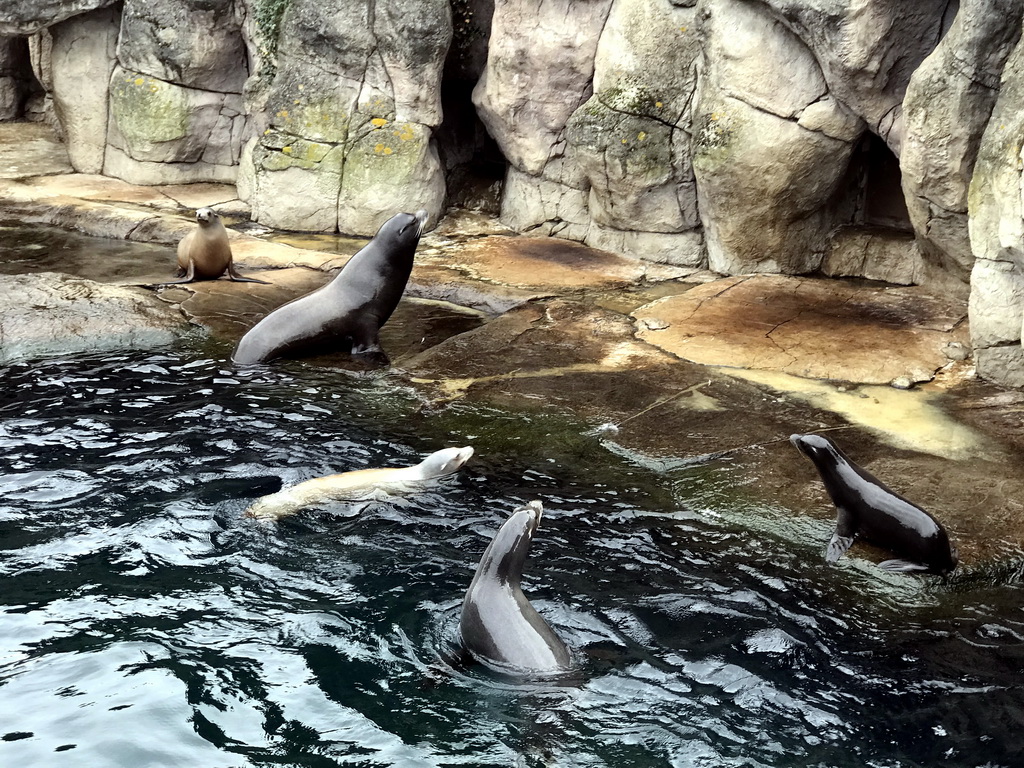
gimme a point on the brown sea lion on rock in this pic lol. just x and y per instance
(205, 253)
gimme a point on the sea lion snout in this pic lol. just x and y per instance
(812, 445)
(421, 218)
(206, 215)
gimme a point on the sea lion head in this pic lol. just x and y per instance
(818, 449)
(206, 216)
(402, 229)
(507, 553)
(445, 461)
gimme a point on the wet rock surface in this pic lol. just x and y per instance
(540, 326)
(56, 314)
(818, 329)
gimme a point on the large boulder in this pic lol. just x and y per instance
(81, 63)
(165, 133)
(631, 139)
(21, 17)
(868, 50)
(56, 314)
(356, 83)
(194, 43)
(948, 104)
(771, 145)
(996, 203)
(540, 67)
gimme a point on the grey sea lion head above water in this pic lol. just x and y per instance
(499, 627)
(866, 508)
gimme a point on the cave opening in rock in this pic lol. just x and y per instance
(474, 164)
(877, 187)
(21, 93)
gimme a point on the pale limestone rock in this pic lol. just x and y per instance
(414, 39)
(55, 314)
(358, 83)
(760, 62)
(542, 207)
(196, 133)
(81, 62)
(539, 70)
(947, 106)
(996, 303)
(996, 206)
(831, 118)
(867, 50)
(684, 249)
(877, 254)
(24, 17)
(631, 138)
(295, 183)
(195, 43)
(392, 168)
(765, 183)
(1004, 365)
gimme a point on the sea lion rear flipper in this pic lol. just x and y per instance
(837, 547)
(902, 566)
(234, 276)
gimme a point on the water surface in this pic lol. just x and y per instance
(143, 622)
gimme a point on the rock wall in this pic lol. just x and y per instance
(856, 137)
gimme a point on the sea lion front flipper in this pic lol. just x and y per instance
(235, 277)
(902, 566)
(365, 339)
(842, 539)
(190, 276)
(837, 547)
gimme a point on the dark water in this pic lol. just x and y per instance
(143, 623)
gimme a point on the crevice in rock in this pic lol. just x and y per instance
(473, 163)
(20, 88)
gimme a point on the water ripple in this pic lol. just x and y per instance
(705, 630)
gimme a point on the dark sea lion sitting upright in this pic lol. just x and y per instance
(352, 307)
(205, 252)
(869, 510)
(499, 627)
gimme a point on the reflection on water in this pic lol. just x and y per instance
(144, 622)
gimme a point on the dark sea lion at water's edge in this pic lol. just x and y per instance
(350, 308)
(869, 510)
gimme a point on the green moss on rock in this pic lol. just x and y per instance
(148, 110)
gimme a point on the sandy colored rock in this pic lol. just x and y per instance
(806, 327)
(30, 149)
(532, 261)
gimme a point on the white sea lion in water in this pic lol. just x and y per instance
(205, 252)
(359, 485)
